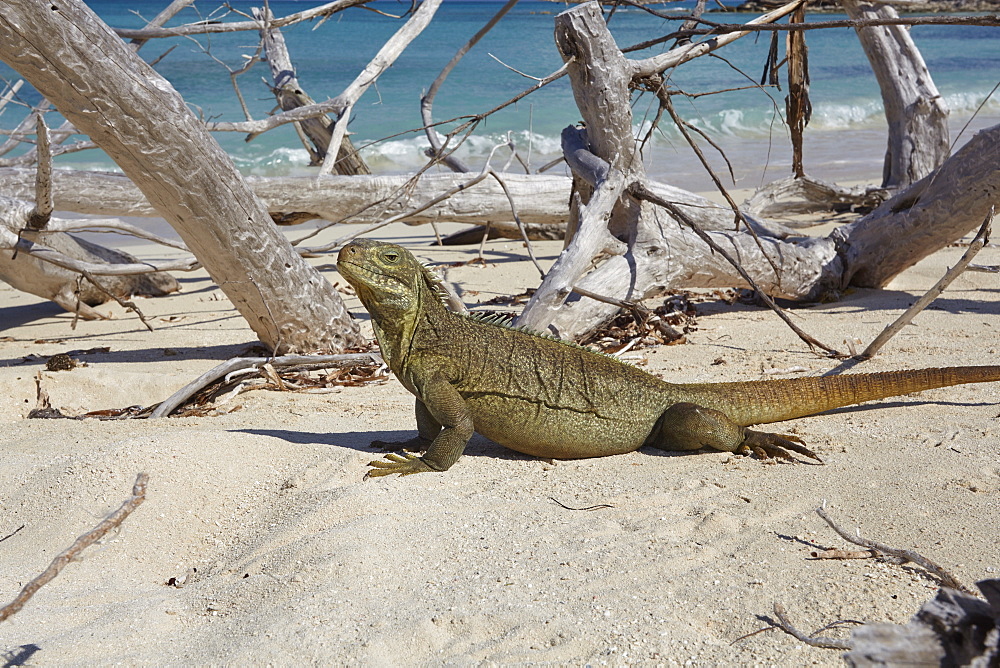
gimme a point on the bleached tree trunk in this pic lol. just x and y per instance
(72, 58)
(657, 253)
(540, 199)
(290, 95)
(916, 114)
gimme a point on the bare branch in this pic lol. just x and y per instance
(112, 521)
(682, 54)
(947, 579)
(785, 625)
(237, 363)
(211, 27)
(427, 101)
(981, 239)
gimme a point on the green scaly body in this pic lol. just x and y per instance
(549, 398)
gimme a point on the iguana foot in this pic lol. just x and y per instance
(766, 446)
(404, 464)
(417, 443)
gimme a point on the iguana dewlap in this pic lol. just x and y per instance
(548, 398)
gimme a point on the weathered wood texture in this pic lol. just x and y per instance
(540, 199)
(798, 109)
(917, 116)
(952, 629)
(355, 199)
(798, 195)
(100, 85)
(932, 213)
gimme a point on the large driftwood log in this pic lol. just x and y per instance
(98, 83)
(657, 253)
(541, 200)
(953, 629)
(917, 116)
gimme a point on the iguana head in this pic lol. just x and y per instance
(393, 286)
(386, 276)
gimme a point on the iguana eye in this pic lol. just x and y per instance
(392, 257)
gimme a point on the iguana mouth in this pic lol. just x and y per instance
(363, 269)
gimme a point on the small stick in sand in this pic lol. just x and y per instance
(900, 556)
(112, 521)
(12, 533)
(812, 641)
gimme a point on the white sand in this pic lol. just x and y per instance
(299, 560)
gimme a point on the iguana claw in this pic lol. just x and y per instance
(406, 463)
(766, 446)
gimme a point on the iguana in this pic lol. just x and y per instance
(545, 397)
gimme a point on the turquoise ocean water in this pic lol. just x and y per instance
(845, 140)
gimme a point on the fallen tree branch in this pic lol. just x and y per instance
(72, 553)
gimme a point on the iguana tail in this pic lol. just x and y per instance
(763, 401)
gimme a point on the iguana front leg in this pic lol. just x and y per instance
(687, 426)
(427, 429)
(442, 416)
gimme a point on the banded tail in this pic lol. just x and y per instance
(763, 401)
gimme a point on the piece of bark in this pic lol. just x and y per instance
(100, 85)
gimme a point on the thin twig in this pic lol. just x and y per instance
(12, 533)
(598, 506)
(947, 579)
(981, 239)
(427, 101)
(124, 303)
(72, 553)
(789, 628)
(520, 224)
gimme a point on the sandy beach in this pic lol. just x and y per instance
(287, 556)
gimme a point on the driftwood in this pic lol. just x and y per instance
(319, 129)
(28, 272)
(140, 121)
(953, 629)
(917, 116)
(803, 194)
(541, 200)
(640, 251)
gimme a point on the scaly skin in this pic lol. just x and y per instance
(548, 398)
